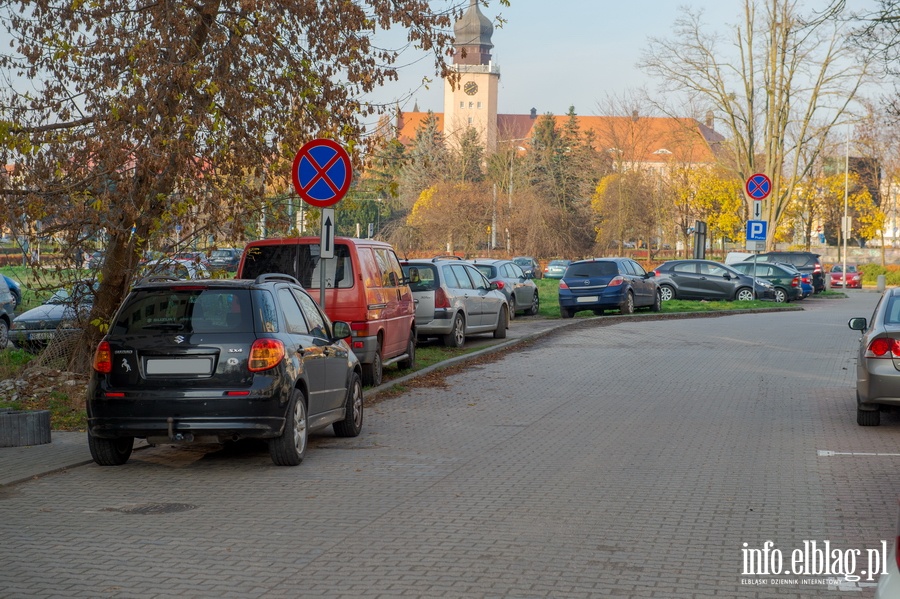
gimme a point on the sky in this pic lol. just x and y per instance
(553, 55)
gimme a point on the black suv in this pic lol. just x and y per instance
(807, 262)
(221, 360)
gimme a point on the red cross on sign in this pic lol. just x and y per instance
(322, 172)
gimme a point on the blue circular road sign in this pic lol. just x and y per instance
(322, 172)
(759, 186)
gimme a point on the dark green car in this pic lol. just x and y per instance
(786, 283)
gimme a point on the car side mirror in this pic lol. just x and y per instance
(647, 275)
(340, 330)
(494, 286)
(857, 324)
(727, 276)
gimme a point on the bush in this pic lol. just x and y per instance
(871, 272)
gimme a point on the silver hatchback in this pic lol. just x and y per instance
(454, 300)
(878, 360)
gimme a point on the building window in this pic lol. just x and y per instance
(471, 120)
(462, 104)
(471, 104)
(479, 106)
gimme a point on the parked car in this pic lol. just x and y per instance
(364, 285)
(854, 277)
(196, 256)
(529, 266)
(805, 278)
(520, 291)
(807, 262)
(222, 360)
(454, 300)
(703, 280)
(174, 268)
(555, 269)
(7, 307)
(15, 289)
(62, 314)
(877, 377)
(226, 259)
(95, 260)
(786, 282)
(607, 284)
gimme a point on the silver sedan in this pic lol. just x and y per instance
(878, 360)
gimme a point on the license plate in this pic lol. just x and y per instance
(39, 336)
(588, 299)
(179, 366)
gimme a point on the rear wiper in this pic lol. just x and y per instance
(172, 326)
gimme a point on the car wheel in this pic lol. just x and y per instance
(657, 302)
(372, 373)
(409, 362)
(4, 334)
(535, 304)
(744, 294)
(868, 417)
(628, 304)
(667, 292)
(457, 335)
(110, 452)
(289, 448)
(352, 423)
(566, 312)
(780, 295)
(502, 322)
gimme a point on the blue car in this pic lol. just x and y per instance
(15, 289)
(607, 284)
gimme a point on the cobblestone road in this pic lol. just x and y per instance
(629, 460)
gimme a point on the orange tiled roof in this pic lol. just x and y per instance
(642, 139)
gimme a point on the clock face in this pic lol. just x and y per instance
(470, 88)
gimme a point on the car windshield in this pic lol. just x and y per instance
(422, 277)
(523, 261)
(221, 254)
(839, 268)
(593, 269)
(302, 261)
(189, 310)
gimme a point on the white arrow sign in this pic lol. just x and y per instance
(757, 209)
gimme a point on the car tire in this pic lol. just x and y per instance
(457, 335)
(744, 294)
(372, 373)
(535, 305)
(4, 334)
(667, 292)
(289, 448)
(627, 304)
(502, 323)
(868, 417)
(656, 306)
(352, 423)
(566, 312)
(409, 362)
(110, 452)
(780, 295)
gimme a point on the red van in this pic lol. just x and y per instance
(364, 285)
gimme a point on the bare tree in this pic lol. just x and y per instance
(786, 82)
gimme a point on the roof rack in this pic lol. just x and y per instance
(275, 276)
(159, 279)
(447, 257)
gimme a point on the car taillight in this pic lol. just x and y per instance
(440, 298)
(562, 284)
(657, 273)
(616, 281)
(103, 358)
(897, 552)
(265, 354)
(883, 347)
(817, 268)
(795, 282)
(500, 285)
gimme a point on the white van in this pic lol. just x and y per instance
(735, 257)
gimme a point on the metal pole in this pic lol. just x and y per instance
(846, 223)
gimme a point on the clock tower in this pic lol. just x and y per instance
(473, 102)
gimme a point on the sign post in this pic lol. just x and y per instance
(758, 187)
(321, 174)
